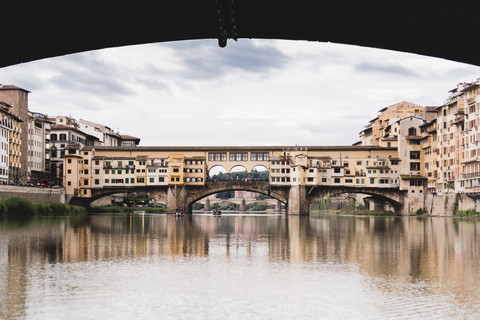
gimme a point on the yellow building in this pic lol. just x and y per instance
(15, 153)
(379, 126)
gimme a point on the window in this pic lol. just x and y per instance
(348, 180)
(86, 153)
(97, 171)
(336, 170)
(69, 183)
(69, 171)
(86, 171)
(97, 181)
(69, 160)
(97, 162)
(336, 180)
(324, 179)
(161, 179)
(130, 163)
(107, 180)
(415, 166)
(84, 191)
(151, 180)
(85, 182)
(259, 156)
(414, 154)
(119, 171)
(238, 156)
(85, 161)
(372, 180)
(119, 163)
(310, 179)
(175, 169)
(217, 156)
(140, 179)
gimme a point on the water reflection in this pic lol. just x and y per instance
(412, 257)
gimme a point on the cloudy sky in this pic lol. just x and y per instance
(253, 92)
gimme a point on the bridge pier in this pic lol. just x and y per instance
(376, 205)
(297, 201)
(177, 199)
(278, 206)
(207, 206)
(243, 205)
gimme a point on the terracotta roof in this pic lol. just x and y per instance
(11, 87)
(126, 137)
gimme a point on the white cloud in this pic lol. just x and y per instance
(253, 92)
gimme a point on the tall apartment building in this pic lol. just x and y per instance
(6, 127)
(38, 148)
(18, 99)
(469, 179)
(447, 116)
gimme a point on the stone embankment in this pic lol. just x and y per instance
(33, 194)
(449, 204)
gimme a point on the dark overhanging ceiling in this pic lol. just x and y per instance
(34, 29)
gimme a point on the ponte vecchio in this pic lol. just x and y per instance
(298, 175)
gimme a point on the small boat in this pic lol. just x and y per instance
(139, 212)
(179, 213)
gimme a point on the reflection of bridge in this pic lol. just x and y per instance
(297, 199)
(241, 202)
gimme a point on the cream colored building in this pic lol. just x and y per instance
(6, 126)
(379, 126)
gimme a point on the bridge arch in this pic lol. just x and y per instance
(417, 27)
(216, 187)
(392, 197)
(238, 172)
(217, 170)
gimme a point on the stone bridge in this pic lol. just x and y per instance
(380, 196)
(297, 199)
(41, 29)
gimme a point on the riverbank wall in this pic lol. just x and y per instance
(33, 194)
(450, 203)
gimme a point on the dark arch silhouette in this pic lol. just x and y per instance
(39, 29)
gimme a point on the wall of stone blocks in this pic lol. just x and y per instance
(33, 194)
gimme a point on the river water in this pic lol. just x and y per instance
(240, 267)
